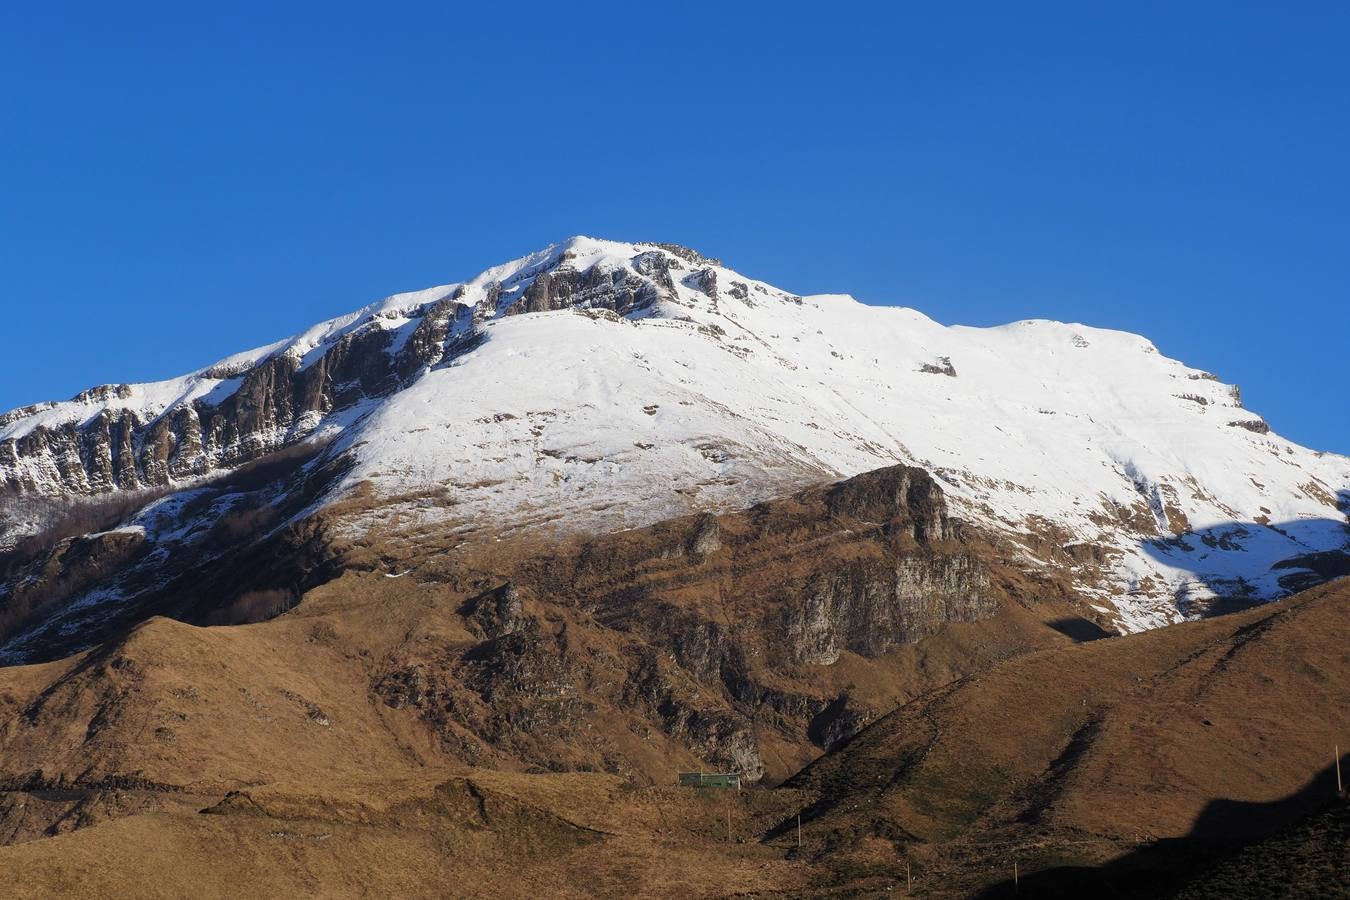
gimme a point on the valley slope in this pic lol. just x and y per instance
(150, 766)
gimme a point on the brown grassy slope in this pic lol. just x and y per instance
(465, 834)
(1073, 755)
(639, 655)
(117, 751)
(748, 641)
(220, 708)
(751, 639)
(1076, 755)
(197, 708)
(120, 746)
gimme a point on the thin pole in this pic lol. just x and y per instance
(799, 831)
(1340, 788)
(909, 882)
(728, 822)
(1016, 885)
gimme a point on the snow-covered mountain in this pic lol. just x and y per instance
(597, 385)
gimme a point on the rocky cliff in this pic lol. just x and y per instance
(244, 408)
(712, 631)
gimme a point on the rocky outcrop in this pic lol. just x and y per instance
(693, 629)
(689, 255)
(838, 722)
(943, 366)
(704, 281)
(498, 612)
(72, 567)
(279, 399)
(618, 290)
(900, 496)
(871, 606)
(446, 326)
(1255, 426)
(276, 403)
(223, 554)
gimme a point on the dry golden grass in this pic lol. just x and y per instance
(1213, 732)
(469, 834)
(1077, 754)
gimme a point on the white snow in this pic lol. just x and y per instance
(568, 421)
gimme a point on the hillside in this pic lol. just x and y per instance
(150, 765)
(749, 641)
(1156, 753)
(1308, 859)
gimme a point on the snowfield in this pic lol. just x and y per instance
(723, 390)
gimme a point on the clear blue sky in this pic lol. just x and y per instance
(178, 183)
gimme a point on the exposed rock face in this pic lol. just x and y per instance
(258, 406)
(690, 628)
(869, 607)
(499, 612)
(209, 556)
(276, 402)
(943, 366)
(707, 537)
(839, 721)
(445, 327)
(690, 256)
(74, 566)
(617, 290)
(899, 496)
(1255, 426)
(705, 281)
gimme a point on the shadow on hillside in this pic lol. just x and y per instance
(222, 552)
(1159, 869)
(1235, 565)
(1080, 629)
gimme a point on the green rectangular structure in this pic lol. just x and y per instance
(728, 780)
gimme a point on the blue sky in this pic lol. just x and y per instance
(178, 183)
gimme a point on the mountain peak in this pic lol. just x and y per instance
(600, 384)
(580, 245)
